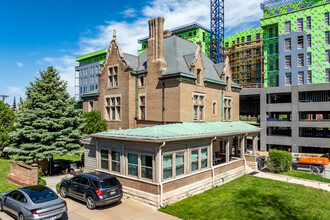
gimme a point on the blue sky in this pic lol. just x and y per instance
(36, 34)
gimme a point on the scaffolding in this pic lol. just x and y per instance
(246, 63)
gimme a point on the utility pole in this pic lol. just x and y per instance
(4, 97)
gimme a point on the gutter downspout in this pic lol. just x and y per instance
(163, 103)
(160, 174)
(222, 108)
(212, 140)
(136, 96)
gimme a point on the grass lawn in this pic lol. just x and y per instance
(305, 175)
(250, 197)
(4, 171)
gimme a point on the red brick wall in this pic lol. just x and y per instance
(23, 174)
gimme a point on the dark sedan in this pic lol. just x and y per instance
(33, 202)
(96, 189)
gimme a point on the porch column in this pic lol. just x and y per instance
(227, 150)
(255, 144)
(236, 145)
(242, 143)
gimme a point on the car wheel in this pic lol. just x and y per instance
(1, 208)
(63, 192)
(90, 203)
(20, 216)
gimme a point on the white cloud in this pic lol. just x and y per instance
(19, 64)
(65, 65)
(15, 91)
(239, 15)
(129, 13)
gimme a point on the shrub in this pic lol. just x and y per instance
(279, 161)
(58, 188)
(42, 181)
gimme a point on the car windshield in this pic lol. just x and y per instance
(40, 194)
(107, 183)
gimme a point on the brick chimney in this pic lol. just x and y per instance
(155, 51)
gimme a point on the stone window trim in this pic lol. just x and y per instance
(214, 108)
(199, 149)
(227, 107)
(173, 154)
(142, 81)
(198, 105)
(142, 105)
(109, 159)
(113, 82)
(116, 106)
(139, 166)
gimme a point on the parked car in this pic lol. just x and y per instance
(33, 202)
(95, 188)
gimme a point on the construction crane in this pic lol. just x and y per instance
(217, 44)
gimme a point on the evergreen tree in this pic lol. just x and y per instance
(48, 122)
(94, 122)
(7, 119)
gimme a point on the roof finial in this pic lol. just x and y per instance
(114, 33)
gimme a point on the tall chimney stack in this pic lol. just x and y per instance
(155, 50)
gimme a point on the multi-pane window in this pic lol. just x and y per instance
(327, 75)
(300, 77)
(237, 40)
(194, 160)
(179, 164)
(270, 32)
(277, 12)
(277, 65)
(327, 56)
(227, 108)
(287, 44)
(300, 42)
(309, 76)
(309, 40)
(301, 5)
(310, 3)
(326, 19)
(142, 107)
(167, 166)
(327, 38)
(146, 167)
(289, 9)
(300, 24)
(308, 23)
(258, 36)
(115, 161)
(248, 38)
(132, 164)
(309, 58)
(270, 13)
(288, 79)
(198, 107)
(300, 60)
(242, 39)
(203, 158)
(271, 65)
(287, 27)
(113, 77)
(105, 159)
(276, 47)
(271, 49)
(287, 62)
(276, 31)
(113, 108)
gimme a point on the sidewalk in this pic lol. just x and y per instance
(289, 179)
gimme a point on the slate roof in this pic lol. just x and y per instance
(180, 131)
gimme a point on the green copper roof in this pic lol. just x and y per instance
(180, 131)
(104, 51)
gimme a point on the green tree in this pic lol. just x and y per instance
(47, 122)
(7, 119)
(94, 122)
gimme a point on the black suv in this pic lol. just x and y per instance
(96, 189)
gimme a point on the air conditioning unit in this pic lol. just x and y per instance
(195, 117)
